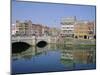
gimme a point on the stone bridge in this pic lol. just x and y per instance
(29, 40)
(33, 40)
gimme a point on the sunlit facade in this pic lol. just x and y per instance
(67, 26)
(84, 30)
(23, 28)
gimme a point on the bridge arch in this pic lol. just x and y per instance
(41, 43)
(18, 47)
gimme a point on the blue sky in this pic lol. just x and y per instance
(50, 14)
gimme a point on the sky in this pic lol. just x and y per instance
(50, 14)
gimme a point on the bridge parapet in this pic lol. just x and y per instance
(29, 40)
(32, 40)
(42, 38)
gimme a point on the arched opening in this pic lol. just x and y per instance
(41, 44)
(18, 47)
(85, 37)
(76, 37)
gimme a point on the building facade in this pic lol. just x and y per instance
(37, 29)
(26, 28)
(45, 31)
(67, 26)
(13, 29)
(23, 28)
(54, 31)
(84, 30)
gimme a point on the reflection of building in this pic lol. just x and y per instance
(67, 26)
(67, 55)
(84, 30)
(24, 28)
(83, 56)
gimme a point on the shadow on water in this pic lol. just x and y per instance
(18, 47)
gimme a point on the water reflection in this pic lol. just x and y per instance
(27, 54)
(78, 55)
(33, 51)
(54, 57)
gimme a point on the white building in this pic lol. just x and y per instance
(67, 26)
(13, 29)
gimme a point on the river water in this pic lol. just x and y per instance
(54, 58)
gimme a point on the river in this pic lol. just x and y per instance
(53, 58)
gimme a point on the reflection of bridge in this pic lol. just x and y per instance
(33, 40)
(32, 51)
